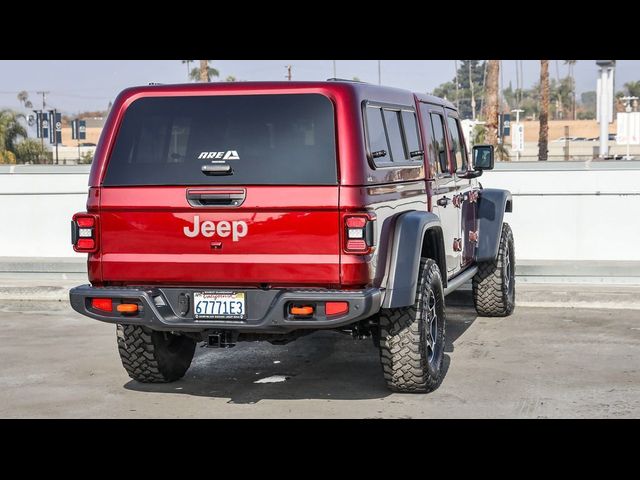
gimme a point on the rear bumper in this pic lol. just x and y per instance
(266, 309)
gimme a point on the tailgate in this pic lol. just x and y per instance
(278, 236)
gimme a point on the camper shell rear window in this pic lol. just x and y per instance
(276, 139)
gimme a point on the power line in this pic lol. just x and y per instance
(57, 94)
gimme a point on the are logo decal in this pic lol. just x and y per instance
(228, 155)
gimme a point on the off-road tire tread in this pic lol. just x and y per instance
(489, 293)
(400, 341)
(140, 355)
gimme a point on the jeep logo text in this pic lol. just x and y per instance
(237, 229)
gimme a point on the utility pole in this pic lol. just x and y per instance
(334, 69)
(379, 74)
(473, 98)
(44, 104)
(288, 75)
(457, 96)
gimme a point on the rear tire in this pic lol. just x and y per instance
(412, 338)
(150, 356)
(494, 286)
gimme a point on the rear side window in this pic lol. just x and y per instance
(265, 139)
(377, 135)
(457, 145)
(437, 129)
(392, 135)
(392, 122)
(410, 125)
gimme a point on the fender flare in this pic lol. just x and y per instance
(492, 204)
(406, 251)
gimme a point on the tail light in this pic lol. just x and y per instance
(104, 304)
(84, 236)
(359, 233)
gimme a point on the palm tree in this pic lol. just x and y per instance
(10, 131)
(491, 102)
(204, 72)
(543, 139)
(632, 88)
(23, 98)
(571, 64)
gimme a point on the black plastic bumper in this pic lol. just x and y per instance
(266, 309)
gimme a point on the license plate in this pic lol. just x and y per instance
(219, 305)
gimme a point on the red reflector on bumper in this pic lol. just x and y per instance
(104, 304)
(336, 308)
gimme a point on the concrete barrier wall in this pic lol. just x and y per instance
(563, 211)
(573, 210)
(36, 205)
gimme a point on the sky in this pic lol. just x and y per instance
(81, 85)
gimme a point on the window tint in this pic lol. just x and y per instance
(392, 122)
(410, 125)
(437, 129)
(266, 139)
(395, 132)
(376, 134)
(457, 147)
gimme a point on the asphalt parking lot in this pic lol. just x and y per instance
(539, 363)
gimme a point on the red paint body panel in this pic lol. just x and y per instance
(290, 230)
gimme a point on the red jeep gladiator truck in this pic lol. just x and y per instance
(223, 212)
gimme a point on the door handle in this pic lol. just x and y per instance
(443, 202)
(217, 169)
(216, 198)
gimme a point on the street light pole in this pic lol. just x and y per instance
(44, 105)
(605, 102)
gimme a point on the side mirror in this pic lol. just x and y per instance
(483, 157)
